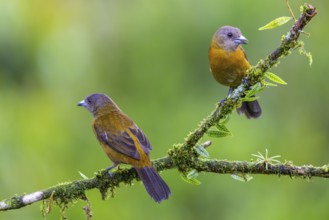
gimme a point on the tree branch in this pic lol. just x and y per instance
(184, 156)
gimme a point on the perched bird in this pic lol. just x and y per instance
(228, 64)
(124, 142)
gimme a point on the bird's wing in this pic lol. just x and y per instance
(142, 139)
(124, 142)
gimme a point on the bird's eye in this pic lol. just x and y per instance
(230, 34)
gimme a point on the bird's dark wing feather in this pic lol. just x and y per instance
(120, 142)
(144, 142)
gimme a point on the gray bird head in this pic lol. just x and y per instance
(229, 38)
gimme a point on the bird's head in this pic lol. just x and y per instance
(229, 38)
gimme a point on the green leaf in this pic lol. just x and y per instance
(249, 99)
(83, 176)
(192, 181)
(269, 84)
(217, 134)
(201, 151)
(242, 177)
(254, 89)
(224, 120)
(222, 128)
(193, 174)
(275, 23)
(275, 78)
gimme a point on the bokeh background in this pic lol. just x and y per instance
(151, 58)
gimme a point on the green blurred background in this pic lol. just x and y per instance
(151, 58)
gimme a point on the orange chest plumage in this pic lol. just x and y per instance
(228, 67)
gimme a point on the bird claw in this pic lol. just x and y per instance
(245, 81)
(110, 168)
(222, 102)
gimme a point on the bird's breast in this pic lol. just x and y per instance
(228, 67)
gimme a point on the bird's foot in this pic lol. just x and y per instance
(222, 102)
(110, 168)
(245, 82)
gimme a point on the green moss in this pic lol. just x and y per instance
(67, 193)
(325, 168)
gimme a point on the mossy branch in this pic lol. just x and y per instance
(184, 156)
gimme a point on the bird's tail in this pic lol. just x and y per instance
(250, 109)
(154, 184)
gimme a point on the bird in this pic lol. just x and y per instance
(123, 142)
(229, 64)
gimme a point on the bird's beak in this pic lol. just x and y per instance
(82, 103)
(241, 40)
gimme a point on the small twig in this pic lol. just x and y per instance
(290, 10)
